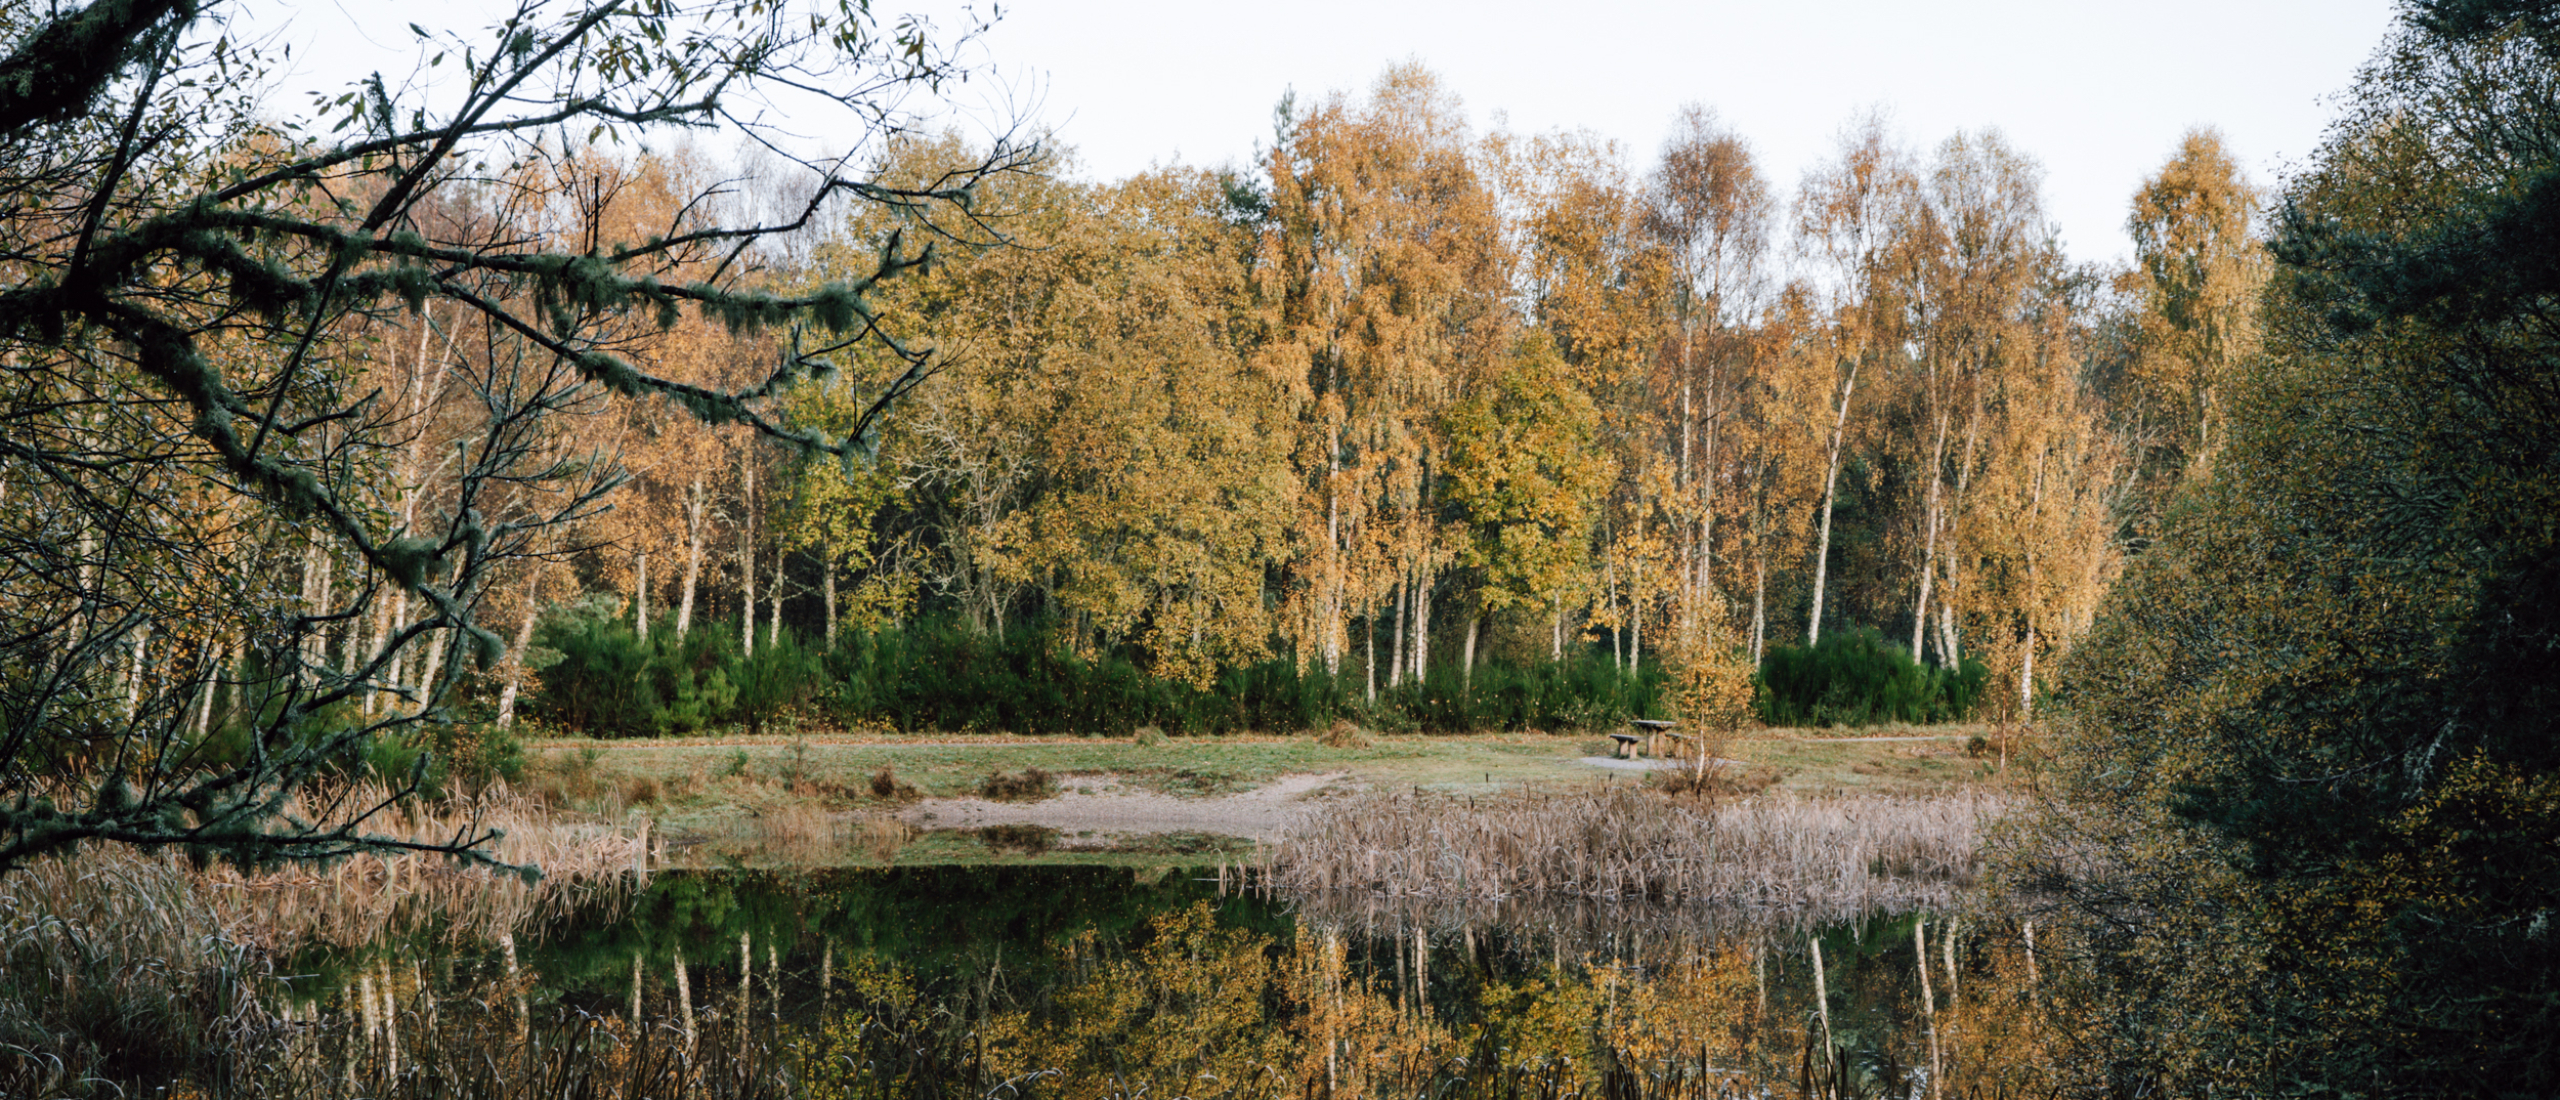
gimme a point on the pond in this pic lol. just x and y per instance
(1091, 981)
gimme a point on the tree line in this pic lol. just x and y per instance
(1403, 395)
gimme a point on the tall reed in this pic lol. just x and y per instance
(128, 962)
(1847, 853)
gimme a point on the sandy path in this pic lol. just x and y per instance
(1102, 805)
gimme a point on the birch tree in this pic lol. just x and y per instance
(1850, 218)
(1384, 272)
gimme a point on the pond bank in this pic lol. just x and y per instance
(1240, 786)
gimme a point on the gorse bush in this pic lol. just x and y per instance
(1856, 678)
(937, 675)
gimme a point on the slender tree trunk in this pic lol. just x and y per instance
(1467, 662)
(1706, 580)
(1618, 624)
(747, 552)
(2027, 674)
(315, 601)
(1759, 605)
(1635, 603)
(697, 507)
(1369, 627)
(1421, 623)
(1929, 521)
(1333, 627)
(212, 680)
(133, 672)
(747, 593)
(773, 633)
(427, 677)
(1830, 494)
(1947, 557)
(515, 655)
(399, 621)
(1947, 650)
(1688, 487)
(640, 606)
(1397, 606)
(827, 569)
(2031, 599)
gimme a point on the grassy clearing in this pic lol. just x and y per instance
(744, 787)
(1896, 760)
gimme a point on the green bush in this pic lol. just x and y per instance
(938, 675)
(610, 683)
(1856, 678)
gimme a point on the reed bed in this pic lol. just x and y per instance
(1773, 851)
(793, 835)
(364, 899)
(121, 959)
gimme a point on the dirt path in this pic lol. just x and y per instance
(1102, 805)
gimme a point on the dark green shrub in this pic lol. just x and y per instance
(780, 675)
(939, 675)
(1856, 678)
(610, 683)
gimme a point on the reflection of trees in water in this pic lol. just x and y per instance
(1089, 983)
(1412, 1007)
(1569, 926)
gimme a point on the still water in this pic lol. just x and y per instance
(1119, 982)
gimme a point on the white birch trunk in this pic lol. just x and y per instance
(1929, 520)
(773, 632)
(697, 507)
(212, 680)
(827, 567)
(1421, 623)
(1369, 627)
(133, 672)
(1759, 606)
(515, 654)
(1830, 493)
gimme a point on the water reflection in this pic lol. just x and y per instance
(1103, 982)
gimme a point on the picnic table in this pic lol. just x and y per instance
(1654, 730)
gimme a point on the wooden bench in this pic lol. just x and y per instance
(1626, 747)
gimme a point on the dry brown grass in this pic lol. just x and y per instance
(1030, 785)
(1344, 734)
(881, 836)
(886, 784)
(135, 961)
(1774, 850)
(362, 899)
(799, 834)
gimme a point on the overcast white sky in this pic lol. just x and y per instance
(2099, 93)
